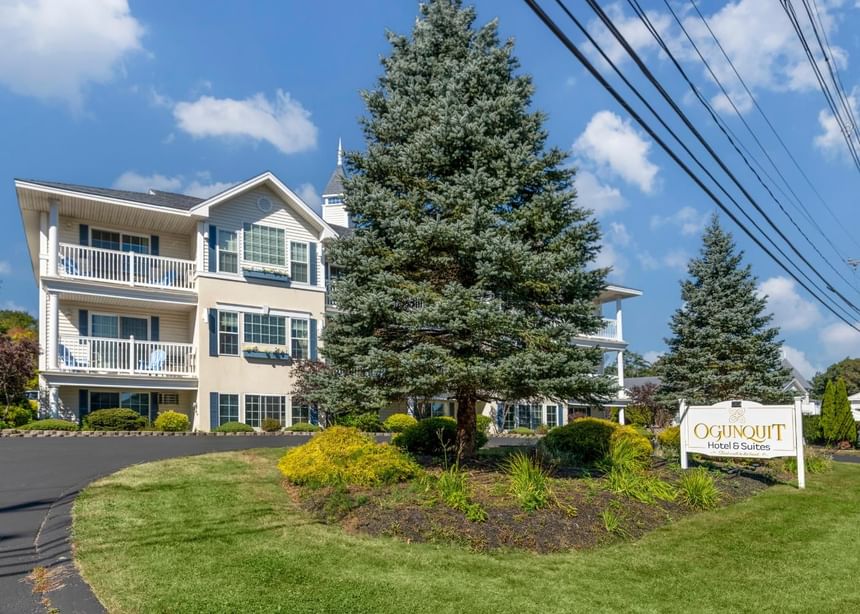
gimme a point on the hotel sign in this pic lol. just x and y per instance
(742, 429)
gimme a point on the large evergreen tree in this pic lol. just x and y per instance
(466, 273)
(722, 345)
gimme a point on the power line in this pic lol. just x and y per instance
(571, 46)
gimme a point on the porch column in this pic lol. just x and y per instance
(619, 332)
(53, 328)
(54, 401)
(53, 237)
(620, 370)
(201, 245)
(43, 322)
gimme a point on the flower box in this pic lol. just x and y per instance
(257, 354)
(268, 275)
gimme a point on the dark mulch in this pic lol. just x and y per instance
(414, 512)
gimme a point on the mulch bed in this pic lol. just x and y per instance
(414, 512)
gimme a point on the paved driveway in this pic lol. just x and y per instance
(39, 479)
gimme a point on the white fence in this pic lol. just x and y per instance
(128, 268)
(102, 355)
(609, 330)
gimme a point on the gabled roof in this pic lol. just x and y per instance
(796, 375)
(335, 182)
(168, 200)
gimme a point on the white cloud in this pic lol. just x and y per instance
(53, 48)
(598, 197)
(675, 260)
(200, 186)
(840, 340)
(800, 361)
(619, 234)
(687, 219)
(308, 193)
(652, 356)
(284, 122)
(633, 30)
(612, 143)
(5, 267)
(791, 311)
(831, 141)
(609, 257)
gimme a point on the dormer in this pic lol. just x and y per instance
(333, 208)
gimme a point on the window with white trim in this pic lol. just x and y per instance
(299, 338)
(265, 329)
(228, 333)
(551, 415)
(228, 408)
(301, 412)
(299, 262)
(259, 407)
(264, 244)
(228, 252)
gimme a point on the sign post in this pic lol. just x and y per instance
(743, 429)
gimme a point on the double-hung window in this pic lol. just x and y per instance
(301, 413)
(299, 262)
(228, 252)
(228, 333)
(265, 329)
(299, 339)
(265, 245)
(551, 415)
(510, 416)
(258, 407)
(228, 408)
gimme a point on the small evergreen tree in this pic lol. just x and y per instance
(828, 407)
(722, 344)
(840, 425)
(466, 272)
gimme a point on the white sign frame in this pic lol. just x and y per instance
(735, 415)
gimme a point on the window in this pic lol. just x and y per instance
(430, 409)
(265, 245)
(258, 407)
(228, 254)
(529, 416)
(551, 415)
(299, 262)
(108, 239)
(228, 333)
(334, 200)
(510, 417)
(103, 400)
(109, 326)
(299, 339)
(228, 408)
(104, 239)
(301, 413)
(105, 326)
(265, 329)
(138, 401)
(133, 243)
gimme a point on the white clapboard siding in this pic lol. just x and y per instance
(172, 326)
(169, 244)
(233, 214)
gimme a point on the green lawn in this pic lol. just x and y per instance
(216, 533)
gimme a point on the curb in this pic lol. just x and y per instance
(43, 434)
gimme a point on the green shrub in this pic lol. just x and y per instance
(628, 449)
(343, 455)
(271, 425)
(15, 415)
(114, 420)
(234, 427)
(814, 462)
(172, 421)
(529, 482)
(812, 432)
(368, 423)
(638, 485)
(587, 439)
(697, 489)
(397, 423)
(484, 423)
(670, 440)
(303, 427)
(433, 436)
(611, 521)
(453, 487)
(3, 425)
(522, 430)
(51, 424)
(638, 415)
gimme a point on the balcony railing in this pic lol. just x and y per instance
(102, 355)
(130, 268)
(609, 330)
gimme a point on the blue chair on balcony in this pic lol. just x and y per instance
(157, 360)
(69, 266)
(67, 358)
(169, 279)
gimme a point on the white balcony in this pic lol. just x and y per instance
(126, 356)
(609, 330)
(128, 268)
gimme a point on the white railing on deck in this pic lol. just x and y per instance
(129, 268)
(102, 355)
(609, 330)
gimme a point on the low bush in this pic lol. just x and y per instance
(628, 449)
(397, 423)
(639, 485)
(814, 462)
(697, 489)
(670, 440)
(51, 424)
(172, 422)
(368, 423)
(587, 439)
(453, 487)
(343, 455)
(812, 432)
(433, 436)
(522, 430)
(638, 415)
(271, 425)
(234, 427)
(303, 427)
(484, 423)
(3, 425)
(15, 415)
(114, 420)
(529, 482)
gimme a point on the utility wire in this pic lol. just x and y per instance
(775, 132)
(580, 56)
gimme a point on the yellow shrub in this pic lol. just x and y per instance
(670, 439)
(397, 423)
(629, 447)
(343, 455)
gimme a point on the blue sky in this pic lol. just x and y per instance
(193, 96)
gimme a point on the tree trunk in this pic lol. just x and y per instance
(466, 423)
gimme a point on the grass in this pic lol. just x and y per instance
(217, 533)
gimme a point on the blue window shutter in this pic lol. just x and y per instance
(213, 243)
(213, 410)
(312, 353)
(84, 234)
(213, 332)
(83, 323)
(153, 245)
(154, 328)
(312, 263)
(153, 406)
(315, 415)
(83, 404)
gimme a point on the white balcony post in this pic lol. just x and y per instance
(53, 328)
(620, 370)
(201, 245)
(131, 271)
(132, 353)
(53, 237)
(619, 332)
(54, 402)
